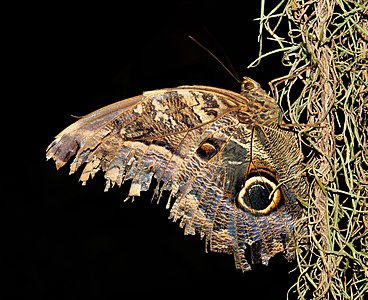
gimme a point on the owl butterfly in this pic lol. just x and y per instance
(235, 174)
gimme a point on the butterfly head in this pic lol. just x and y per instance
(249, 85)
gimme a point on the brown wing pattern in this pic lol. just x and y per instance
(219, 153)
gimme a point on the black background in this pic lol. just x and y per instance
(67, 241)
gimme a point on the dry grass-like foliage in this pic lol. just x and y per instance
(326, 50)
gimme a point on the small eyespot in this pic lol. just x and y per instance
(208, 149)
(259, 195)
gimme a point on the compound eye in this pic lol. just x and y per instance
(259, 195)
(248, 85)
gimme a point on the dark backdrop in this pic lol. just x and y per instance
(67, 241)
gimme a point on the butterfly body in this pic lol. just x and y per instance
(234, 174)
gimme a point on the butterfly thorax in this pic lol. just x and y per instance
(261, 109)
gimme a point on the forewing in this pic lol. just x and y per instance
(141, 136)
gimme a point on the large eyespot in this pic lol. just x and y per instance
(208, 149)
(259, 195)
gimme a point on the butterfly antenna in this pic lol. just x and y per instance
(215, 57)
(223, 53)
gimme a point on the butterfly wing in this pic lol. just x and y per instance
(209, 198)
(193, 142)
(150, 133)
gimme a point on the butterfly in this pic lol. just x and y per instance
(233, 174)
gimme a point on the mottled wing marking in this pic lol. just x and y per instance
(201, 144)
